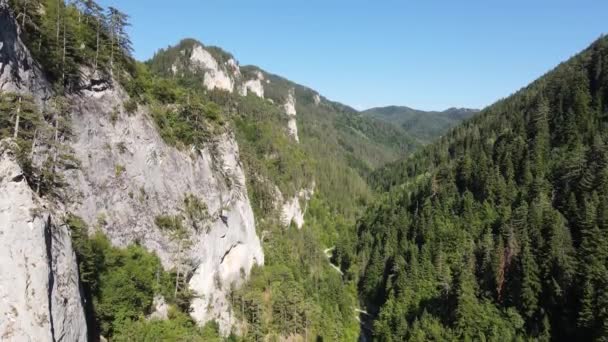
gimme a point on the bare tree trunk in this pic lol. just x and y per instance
(55, 147)
(34, 144)
(177, 266)
(57, 29)
(39, 40)
(17, 119)
(79, 14)
(306, 329)
(112, 34)
(25, 4)
(57, 22)
(97, 46)
(63, 57)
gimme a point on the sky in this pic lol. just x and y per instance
(425, 54)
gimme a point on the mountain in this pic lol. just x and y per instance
(422, 125)
(498, 231)
(189, 198)
(371, 143)
(182, 198)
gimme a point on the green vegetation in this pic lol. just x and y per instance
(119, 170)
(196, 210)
(119, 287)
(184, 117)
(179, 327)
(36, 135)
(64, 37)
(496, 232)
(424, 126)
(297, 292)
(169, 223)
(268, 151)
(176, 59)
(338, 149)
(499, 231)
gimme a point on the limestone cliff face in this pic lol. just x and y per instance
(254, 85)
(39, 287)
(18, 70)
(294, 209)
(129, 176)
(290, 111)
(217, 75)
(40, 296)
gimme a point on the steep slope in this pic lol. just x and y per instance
(129, 177)
(18, 70)
(167, 172)
(179, 178)
(499, 230)
(424, 126)
(39, 288)
(87, 155)
(329, 132)
(306, 158)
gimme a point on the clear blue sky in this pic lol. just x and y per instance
(426, 54)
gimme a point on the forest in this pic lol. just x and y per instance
(499, 230)
(494, 230)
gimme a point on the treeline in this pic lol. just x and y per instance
(500, 230)
(38, 137)
(65, 36)
(296, 293)
(120, 286)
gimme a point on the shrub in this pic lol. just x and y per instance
(130, 106)
(169, 223)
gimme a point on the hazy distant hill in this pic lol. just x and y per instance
(423, 125)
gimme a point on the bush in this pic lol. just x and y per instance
(120, 282)
(130, 106)
(169, 223)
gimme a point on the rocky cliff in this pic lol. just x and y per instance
(40, 297)
(18, 70)
(128, 178)
(39, 288)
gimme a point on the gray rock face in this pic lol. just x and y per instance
(291, 209)
(39, 288)
(18, 71)
(161, 309)
(129, 176)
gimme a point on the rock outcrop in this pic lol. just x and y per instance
(129, 176)
(317, 99)
(39, 286)
(254, 86)
(161, 308)
(217, 76)
(290, 110)
(18, 71)
(294, 209)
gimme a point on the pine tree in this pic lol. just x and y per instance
(530, 283)
(119, 38)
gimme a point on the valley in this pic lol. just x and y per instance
(189, 198)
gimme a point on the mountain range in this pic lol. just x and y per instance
(423, 125)
(189, 198)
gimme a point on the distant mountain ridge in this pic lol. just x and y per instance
(422, 125)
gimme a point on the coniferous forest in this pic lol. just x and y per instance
(499, 231)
